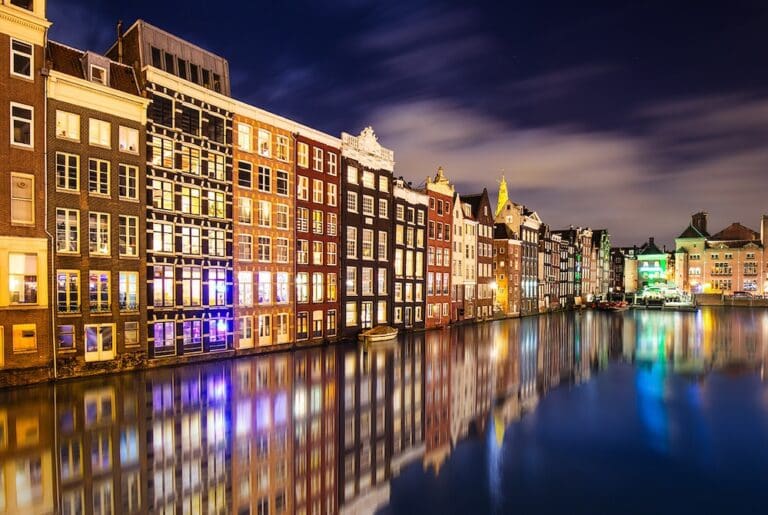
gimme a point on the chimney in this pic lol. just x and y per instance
(120, 41)
(764, 230)
(699, 221)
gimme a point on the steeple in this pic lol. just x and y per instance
(503, 195)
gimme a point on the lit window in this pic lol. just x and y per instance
(98, 234)
(128, 140)
(128, 182)
(302, 287)
(22, 278)
(317, 159)
(303, 155)
(351, 175)
(244, 137)
(67, 172)
(245, 288)
(332, 163)
(99, 132)
(67, 125)
(67, 291)
(281, 148)
(264, 291)
(128, 291)
(98, 177)
(162, 152)
(98, 74)
(98, 291)
(265, 143)
(129, 236)
(164, 284)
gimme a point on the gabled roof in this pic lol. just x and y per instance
(68, 60)
(475, 202)
(650, 249)
(736, 232)
(691, 232)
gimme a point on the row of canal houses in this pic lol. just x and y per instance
(150, 218)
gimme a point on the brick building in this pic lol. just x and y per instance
(439, 227)
(482, 212)
(96, 190)
(507, 268)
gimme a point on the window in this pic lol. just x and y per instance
(128, 140)
(98, 74)
(245, 210)
(65, 338)
(352, 202)
(188, 120)
(162, 152)
(332, 163)
(317, 159)
(98, 234)
(350, 312)
(67, 125)
(302, 252)
(351, 242)
(244, 174)
(317, 191)
(303, 154)
(216, 204)
(302, 326)
(244, 139)
(318, 290)
(264, 143)
(282, 182)
(128, 182)
(99, 132)
(367, 205)
(281, 250)
(281, 148)
(191, 285)
(381, 312)
(333, 197)
(265, 179)
(190, 240)
(98, 177)
(162, 237)
(281, 216)
(245, 288)
(98, 291)
(264, 214)
(332, 224)
(128, 291)
(245, 247)
(302, 287)
(21, 58)
(21, 125)
(369, 179)
(164, 337)
(367, 244)
(22, 199)
(332, 253)
(302, 188)
(161, 110)
(317, 252)
(383, 208)
(190, 159)
(129, 236)
(317, 222)
(351, 175)
(383, 183)
(381, 280)
(164, 285)
(216, 242)
(190, 200)
(351, 284)
(217, 287)
(332, 290)
(265, 249)
(67, 172)
(282, 288)
(382, 247)
(367, 281)
(67, 291)
(302, 219)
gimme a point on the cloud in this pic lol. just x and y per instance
(635, 184)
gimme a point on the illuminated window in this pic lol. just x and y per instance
(128, 182)
(162, 152)
(67, 291)
(265, 143)
(128, 291)
(128, 139)
(303, 155)
(302, 252)
(98, 177)
(351, 242)
(99, 291)
(99, 132)
(216, 242)
(245, 247)
(244, 139)
(190, 200)
(318, 289)
(129, 236)
(332, 163)
(98, 234)
(67, 125)
(317, 159)
(67, 172)
(302, 287)
(317, 252)
(191, 285)
(332, 224)
(302, 188)
(163, 286)
(265, 249)
(245, 288)
(332, 253)
(331, 287)
(369, 179)
(281, 250)
(281, 148)
(282, 295)
(367, 244)
(190, 159)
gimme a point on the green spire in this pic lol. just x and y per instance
(503, 196)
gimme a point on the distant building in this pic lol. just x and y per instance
(480, 207)
(507, 267)
(651, 266)
(440, 220)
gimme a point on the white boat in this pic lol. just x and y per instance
(379, 334)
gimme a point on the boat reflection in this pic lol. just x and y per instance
(324, 430)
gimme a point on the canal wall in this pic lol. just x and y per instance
(719, 300)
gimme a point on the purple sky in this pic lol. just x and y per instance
(625, 117)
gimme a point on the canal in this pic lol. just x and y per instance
(636, 412)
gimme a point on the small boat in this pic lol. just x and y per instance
(379, 334)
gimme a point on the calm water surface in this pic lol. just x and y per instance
(641, 412)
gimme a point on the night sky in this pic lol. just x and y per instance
(630, 117)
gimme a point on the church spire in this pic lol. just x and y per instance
(503, 195)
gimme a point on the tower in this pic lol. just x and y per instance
(503, 195)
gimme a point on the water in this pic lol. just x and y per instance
(641, 412)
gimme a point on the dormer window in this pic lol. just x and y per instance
(98, 74)
(24, 4)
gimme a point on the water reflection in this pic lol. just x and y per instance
(325, 430)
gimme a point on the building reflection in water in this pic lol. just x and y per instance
(324, 430)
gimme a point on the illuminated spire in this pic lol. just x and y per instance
(503, 195)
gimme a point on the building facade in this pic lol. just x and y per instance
(409, 272)
(367, 220)
(480, 206)
(189, 192)
(457, 261)
(96, 210)
(507, 254)
(25, 337)
(439, 226)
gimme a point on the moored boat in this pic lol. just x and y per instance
(379, 334)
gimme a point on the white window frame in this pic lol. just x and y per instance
(30, 121)
(31, 57)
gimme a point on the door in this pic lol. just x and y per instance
(99, 342)
(245, 337)
(408, 321)
(366, 315)
(265, 330)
